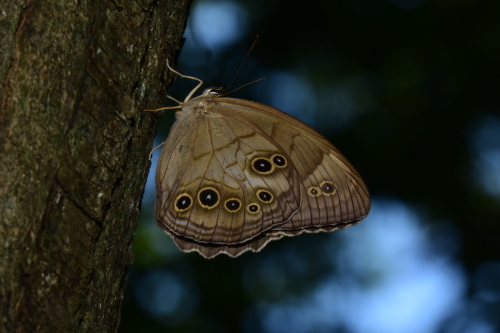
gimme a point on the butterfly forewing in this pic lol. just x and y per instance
(211, 189)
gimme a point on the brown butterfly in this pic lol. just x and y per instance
(236, 174)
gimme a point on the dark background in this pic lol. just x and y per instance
(408, 91)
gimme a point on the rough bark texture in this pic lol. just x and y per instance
(74, 151)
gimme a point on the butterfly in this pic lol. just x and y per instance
(234, 175)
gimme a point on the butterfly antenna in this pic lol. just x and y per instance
(241, 65)
(246, 84)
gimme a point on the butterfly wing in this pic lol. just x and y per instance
(217, 187)
(225, 156)
(334, 195)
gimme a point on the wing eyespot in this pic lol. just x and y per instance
(253, 208)
(232, 205)
(208, 197)
(328, 188)
(314, 191)
(262, 166)
(265, 196)
(279, 161)
(183, 202)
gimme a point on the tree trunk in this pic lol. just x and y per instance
(74, 148)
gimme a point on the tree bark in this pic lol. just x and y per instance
(74, 148)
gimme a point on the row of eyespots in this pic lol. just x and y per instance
(208, 197)
(233, 205)
(325, 188)
(266, 166)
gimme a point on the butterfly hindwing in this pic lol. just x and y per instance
(333, 193)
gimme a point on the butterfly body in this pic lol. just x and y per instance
(235, 174)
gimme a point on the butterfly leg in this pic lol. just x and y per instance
(151, 153)
(188, 97)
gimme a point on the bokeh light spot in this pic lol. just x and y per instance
(218, 24)
(166, 297)
(389, 263)
(485, 146)
(292, 94)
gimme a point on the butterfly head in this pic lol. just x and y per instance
(213, 91)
